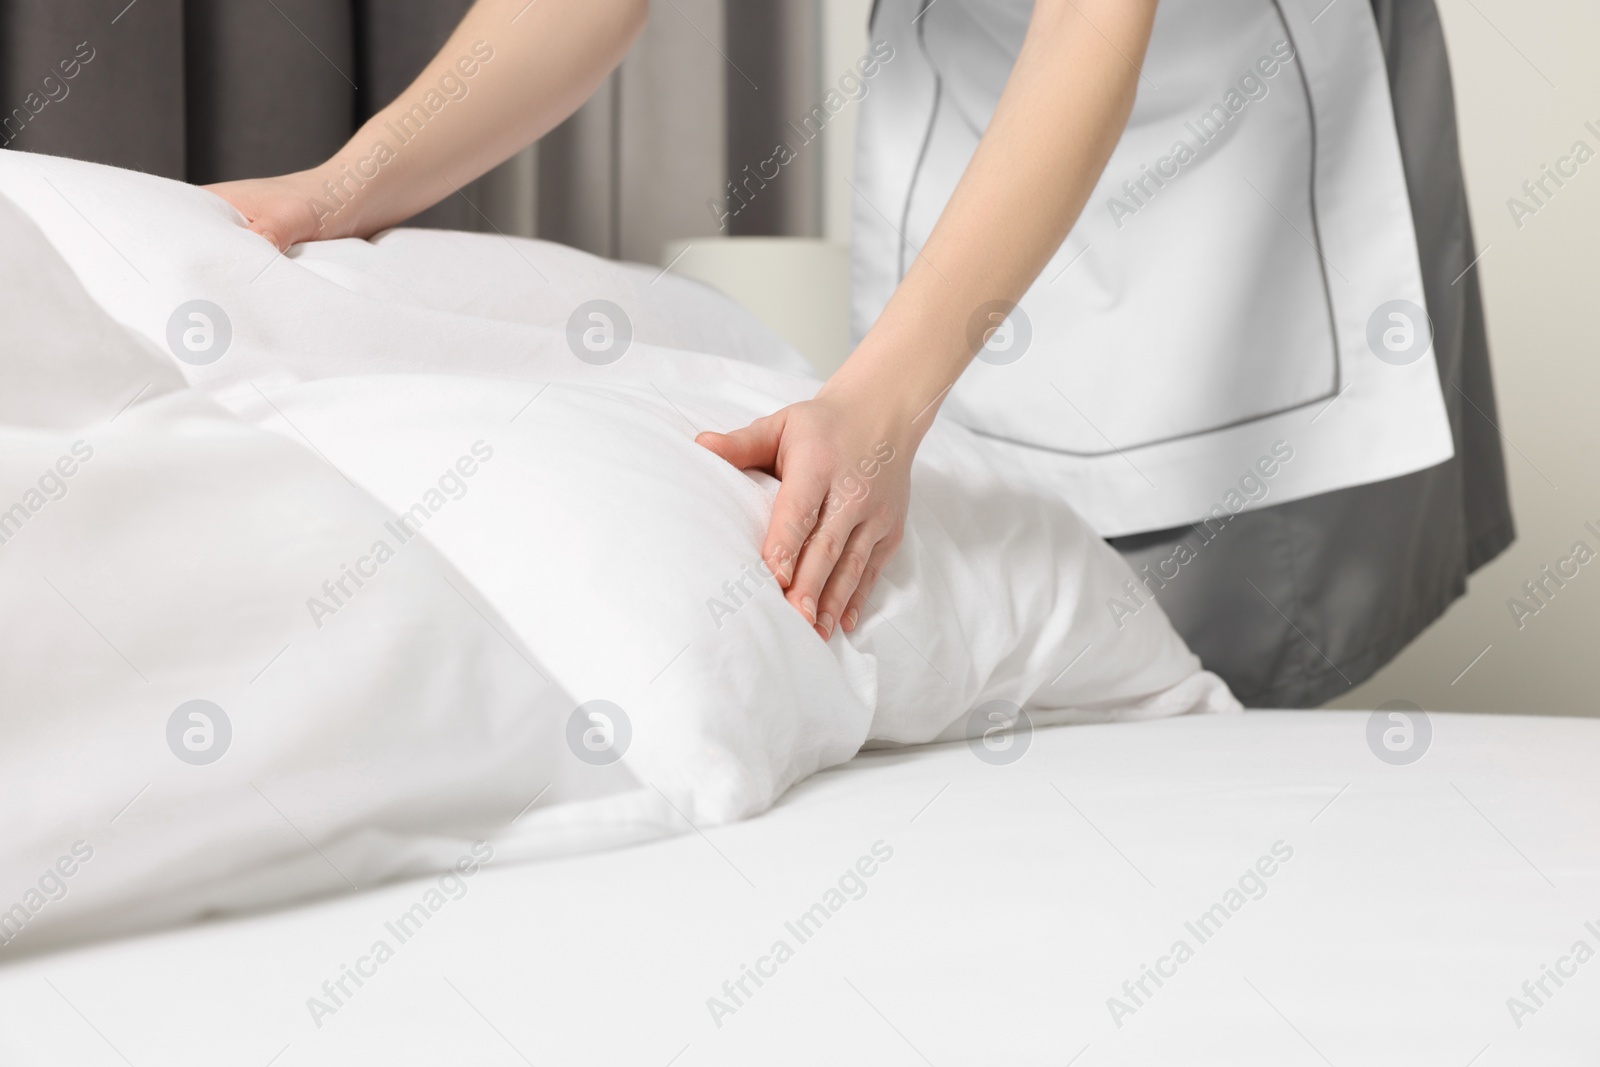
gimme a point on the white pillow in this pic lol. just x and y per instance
(612, 544)
(142, 245)
(156, 550)
(563, 497)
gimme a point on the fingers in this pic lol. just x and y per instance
(281, 227)
(794, 519)
(825, 546)
(882, 553)
(280, 209)
(266, 231)
(818, 557)
(800, 493)
(754, 446)
(846, 576)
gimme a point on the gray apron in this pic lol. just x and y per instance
(1296, 603)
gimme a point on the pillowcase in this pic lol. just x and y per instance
(627, 556)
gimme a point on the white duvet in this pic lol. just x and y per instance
(436, 582)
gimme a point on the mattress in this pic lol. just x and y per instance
(946, 905)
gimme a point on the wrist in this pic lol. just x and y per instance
(332, 198)
(904, 399)
(351, 191)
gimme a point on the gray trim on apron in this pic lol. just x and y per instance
(1294, 604)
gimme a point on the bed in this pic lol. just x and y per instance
(1005, 909)
(403, 546)
(384, 679)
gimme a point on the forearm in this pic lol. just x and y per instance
(1057, 122)
(511, 72)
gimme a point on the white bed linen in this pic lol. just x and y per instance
(1018, 899)
(573, 557)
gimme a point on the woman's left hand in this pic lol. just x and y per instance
(844, 462)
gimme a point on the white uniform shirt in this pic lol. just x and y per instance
(1242, 284)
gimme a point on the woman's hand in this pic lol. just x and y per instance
(845, 467)
(845, 457)
(511, 72)
(281, 209)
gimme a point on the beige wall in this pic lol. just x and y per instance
(1526, 83)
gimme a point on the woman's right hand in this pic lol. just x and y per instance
(281, 209)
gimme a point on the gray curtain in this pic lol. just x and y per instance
(772, 80)
(212, 90)
(711, 85)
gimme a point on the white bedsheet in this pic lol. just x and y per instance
(1017, 900)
